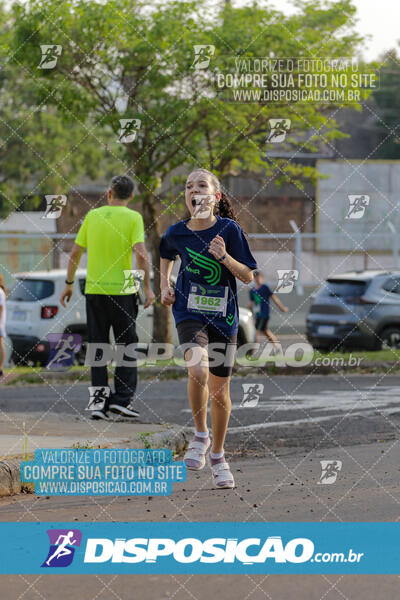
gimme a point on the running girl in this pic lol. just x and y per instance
(213, 251)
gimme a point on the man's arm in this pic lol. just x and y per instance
(73, 263)
(143, 262)
(279, 304)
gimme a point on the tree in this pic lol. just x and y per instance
(122, 59)
(387, 98)
(40, 152)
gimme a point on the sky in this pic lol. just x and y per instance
(379, 18)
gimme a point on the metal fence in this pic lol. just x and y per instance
(27, 251)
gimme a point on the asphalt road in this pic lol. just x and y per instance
(269, 489)
(277, 448)
(293, 413)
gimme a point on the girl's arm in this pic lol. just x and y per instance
(239, 270)
(167, 293)
(218, 249)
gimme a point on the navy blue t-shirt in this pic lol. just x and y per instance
(260, 296)
(205, 289)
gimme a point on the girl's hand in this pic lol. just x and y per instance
(167, 296)
(217, 247)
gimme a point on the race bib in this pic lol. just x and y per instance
(208, 299)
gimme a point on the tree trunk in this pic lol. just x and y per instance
(162, 314)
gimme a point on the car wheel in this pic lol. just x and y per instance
(18, 360)
(81, 355)
(391, 338)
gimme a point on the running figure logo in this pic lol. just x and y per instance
(202, 56)
(55, 204)
(330, 470)
(98, 397)
(128, 129)
(63, 543)
(63, 347)
(50, 54)
(357, 206)
(251, 394)
(286, 281)
(279, 129)
(132, 281)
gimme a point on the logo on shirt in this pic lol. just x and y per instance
(196, 271)
(212, 266)
(230, 319)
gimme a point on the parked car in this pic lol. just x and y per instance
(34, 310)
(359, 309)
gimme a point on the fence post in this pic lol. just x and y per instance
(395, 244)
(297, 255)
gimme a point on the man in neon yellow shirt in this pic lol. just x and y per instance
(109, 233)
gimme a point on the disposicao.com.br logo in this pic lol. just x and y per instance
(247, 551)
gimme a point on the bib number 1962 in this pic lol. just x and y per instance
(206, 299)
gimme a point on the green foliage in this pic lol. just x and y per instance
(121, 59)
(387, 98)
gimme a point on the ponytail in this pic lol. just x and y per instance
(225, 208)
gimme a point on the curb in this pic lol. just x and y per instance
(172, 439)
(10, 478)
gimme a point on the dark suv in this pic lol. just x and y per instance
(359, 310)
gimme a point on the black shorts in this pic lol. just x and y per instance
(261, 323)
(197, 333)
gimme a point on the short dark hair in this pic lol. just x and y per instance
(122, 187)
(255, 273)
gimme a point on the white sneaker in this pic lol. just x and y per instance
(223, 478)
(195, 457)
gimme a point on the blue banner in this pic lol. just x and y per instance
(246, 548)
(103, 472)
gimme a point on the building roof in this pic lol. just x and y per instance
(27, 222)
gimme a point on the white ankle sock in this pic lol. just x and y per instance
(217, 454)
(201, 434)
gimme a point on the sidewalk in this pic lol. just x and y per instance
(22, 434)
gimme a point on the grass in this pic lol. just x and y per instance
(170, 370)
(144, 438)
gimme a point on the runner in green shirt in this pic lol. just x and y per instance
(109, 233)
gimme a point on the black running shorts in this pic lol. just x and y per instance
(197, 333)
(261, 323)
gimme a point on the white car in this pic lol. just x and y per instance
(34, 311)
